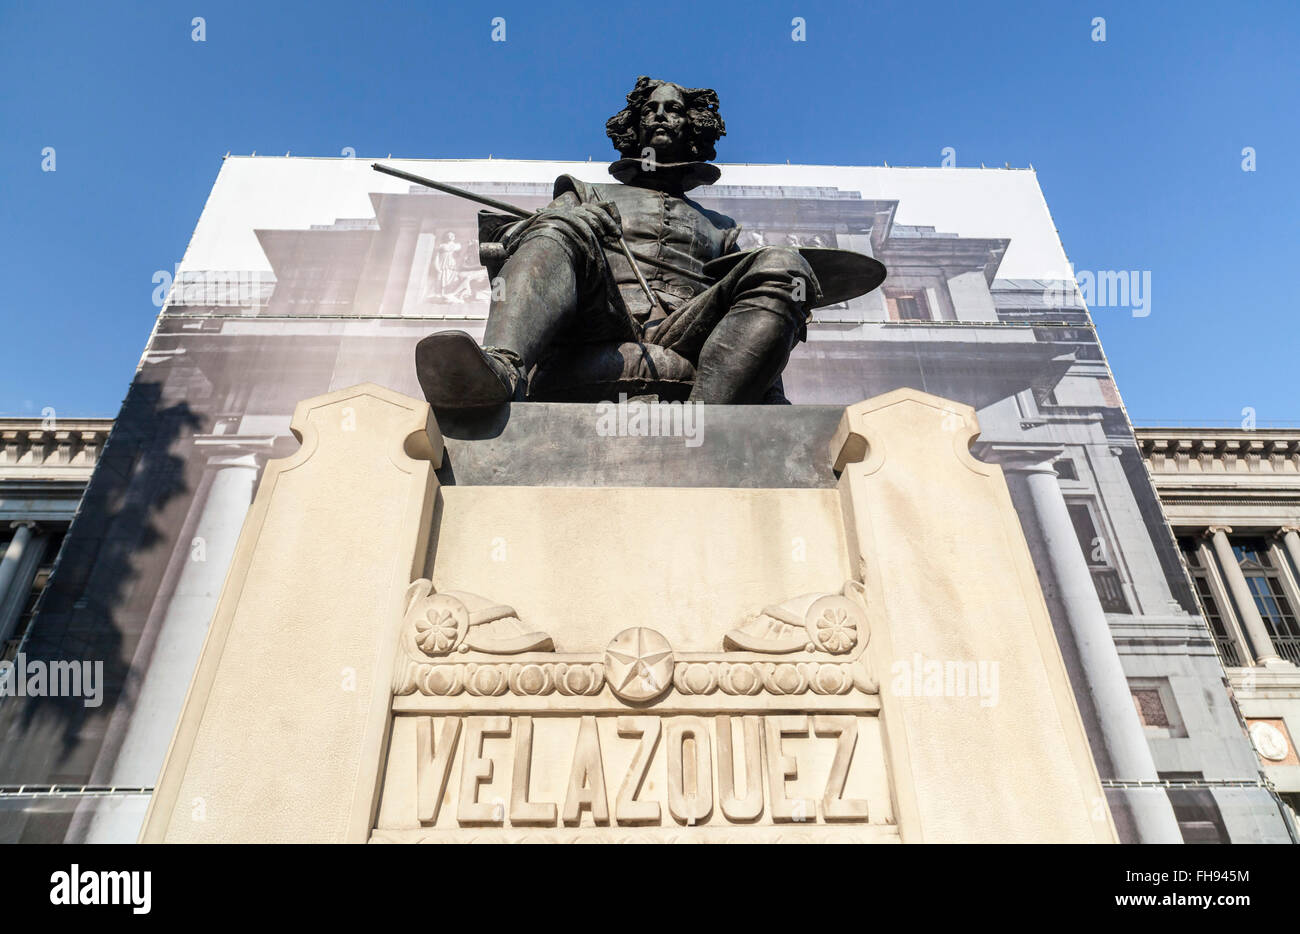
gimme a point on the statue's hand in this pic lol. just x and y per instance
(601, 217)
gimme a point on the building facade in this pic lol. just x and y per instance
(309, 275)
(45, 464)
(1232, 497)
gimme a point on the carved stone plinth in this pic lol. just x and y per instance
(622, 659)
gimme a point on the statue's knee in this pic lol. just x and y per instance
(780, 255)
(546, 236)
(783, 265)
(786, 259)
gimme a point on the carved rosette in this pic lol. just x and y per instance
(437, 624)
(835, 624)
(440, 623)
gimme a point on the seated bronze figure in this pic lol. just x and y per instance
(609, 289)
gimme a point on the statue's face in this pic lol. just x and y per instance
(664, 124)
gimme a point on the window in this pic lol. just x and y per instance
(1096, 552)
(908, 305)
(1094, 549)
(1265, 582)
(1226, 645)
(1291, 801)
(1195, 809)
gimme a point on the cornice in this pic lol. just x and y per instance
(36, 449)
(1223, 454)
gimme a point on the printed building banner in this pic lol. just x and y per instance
(305, 276)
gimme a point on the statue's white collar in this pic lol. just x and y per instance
(689, 174)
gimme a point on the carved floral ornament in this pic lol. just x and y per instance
(831, 623)
(822, 638)
(441, 623)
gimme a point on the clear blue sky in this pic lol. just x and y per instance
(1137, 142)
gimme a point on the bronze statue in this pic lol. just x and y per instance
(606, 289)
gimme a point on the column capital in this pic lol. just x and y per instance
(1283, 530)
(235, 450)
(30, 524)
(1023, 458)
(1210, 530)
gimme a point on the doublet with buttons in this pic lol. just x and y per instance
(571, 304)
(659, 225)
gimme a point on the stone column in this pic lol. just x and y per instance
(12, 576)
(1121, 730)
(1289, 535)
(1247, 612)
(234, 461)
(1205, 554)
(1277, 552)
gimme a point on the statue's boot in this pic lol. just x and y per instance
(539, 294)
(456, 373)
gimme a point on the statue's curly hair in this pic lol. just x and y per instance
(704, 125)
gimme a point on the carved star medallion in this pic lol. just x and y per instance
(639, 664)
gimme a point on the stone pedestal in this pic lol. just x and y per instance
(631, 622)
(287, 714)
